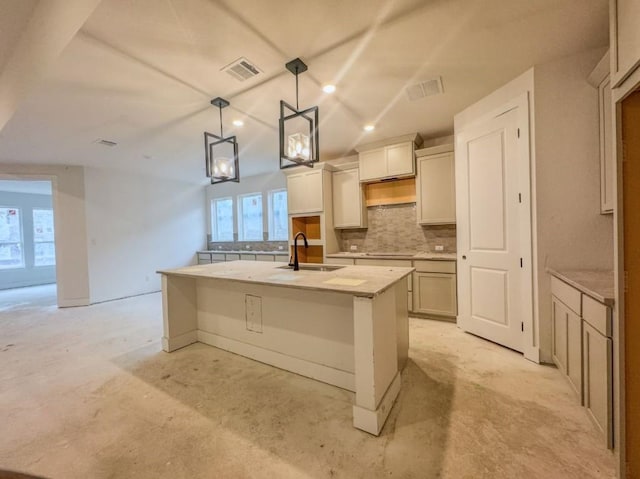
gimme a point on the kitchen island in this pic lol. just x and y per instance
(346, 326)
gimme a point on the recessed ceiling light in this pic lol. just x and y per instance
(329, 88)
(369, 127)
(238, 122)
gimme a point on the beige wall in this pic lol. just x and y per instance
(571, 232)
(72, 269)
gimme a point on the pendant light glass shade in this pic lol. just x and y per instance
(298, 128)
(222, 163)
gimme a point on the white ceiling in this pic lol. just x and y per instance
(142, 73)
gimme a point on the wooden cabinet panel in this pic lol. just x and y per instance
(435, 293)
(434, 266)
(435, 188)
(598, 392)
(348, 202)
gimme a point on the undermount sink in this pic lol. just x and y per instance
(313, 267)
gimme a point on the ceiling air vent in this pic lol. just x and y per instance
(105, 142)
(242, 69)
(430, 87)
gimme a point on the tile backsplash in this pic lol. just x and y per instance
(393, 228)
(247, 245)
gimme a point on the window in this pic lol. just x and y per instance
(11, 251)
(222, 219)
(44, 250)
(278, 219)
(250, 217)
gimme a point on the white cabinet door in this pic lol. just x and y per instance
(436, 189)
(348, 211)
(373, 164)
(400, 160)
(574, 352)
(304, 192)
(434, 293)
(598, 392)
(624, 23)
(559, 320)
(607, 166)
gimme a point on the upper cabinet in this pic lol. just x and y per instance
(393, 158)
(305, 192)
(436, 185)
(625, 39)
(349, 210)
(601, 79)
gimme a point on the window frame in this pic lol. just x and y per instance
(271, 219)
(241, 235)
(35, 242)
(23, 259)
(213, 216)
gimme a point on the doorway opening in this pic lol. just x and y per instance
(27, 243)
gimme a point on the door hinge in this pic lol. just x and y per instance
(521, 262)
(518, 132)
(519, 197)
(522, 327)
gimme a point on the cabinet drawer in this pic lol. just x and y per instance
(429, 266)
(248, 257)
(217, 256)
(204, 258)
(567, 294)
(232, 257)
(597, 315)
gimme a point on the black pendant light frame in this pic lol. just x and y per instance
(288, 112)
(211, 141)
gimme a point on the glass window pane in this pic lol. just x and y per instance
(45, 254)
(222, 219)
(278, 221)
(42, 225)
(10, 225)
(251, 217)
(11, 256)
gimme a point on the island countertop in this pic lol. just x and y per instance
(366, 281)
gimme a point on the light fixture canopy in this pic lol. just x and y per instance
(221, 153)
(299, 134)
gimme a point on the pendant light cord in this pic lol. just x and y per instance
(297, 106)
(221, 134)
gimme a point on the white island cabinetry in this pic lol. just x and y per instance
(348, 327)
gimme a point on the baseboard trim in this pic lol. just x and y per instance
(372, 421)
(177, 342)
(72, 303)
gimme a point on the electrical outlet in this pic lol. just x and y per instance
(280, 248)
(439, 247)
(353, 247)
(248, 246)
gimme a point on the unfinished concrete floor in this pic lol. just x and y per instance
(88, 393)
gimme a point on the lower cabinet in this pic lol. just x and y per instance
(598, 390)
(583, 350)
(434, 293)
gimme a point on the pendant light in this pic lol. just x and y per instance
(298, 129)
(221, 153)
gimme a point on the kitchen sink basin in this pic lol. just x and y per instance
(313, 267)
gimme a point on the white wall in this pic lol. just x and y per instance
(568, 231)
(138, 224)
(571, 232)
(70, 226)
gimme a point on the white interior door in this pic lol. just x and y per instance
(494, 296)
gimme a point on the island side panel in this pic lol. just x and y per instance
(402, 322)
(376, 359)
(306, 332)
(179, 312)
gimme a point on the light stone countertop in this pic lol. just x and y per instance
(367, 281)
(245, 251)
(406, 255)
(599, 284)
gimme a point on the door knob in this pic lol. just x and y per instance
(464, 256)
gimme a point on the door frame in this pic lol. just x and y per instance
(526, 183)
(619, 94)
